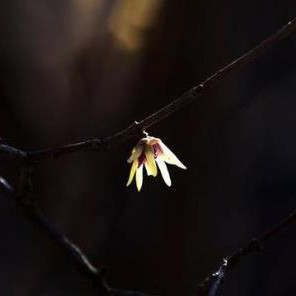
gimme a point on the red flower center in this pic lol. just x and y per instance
(157, 150)
(142, 159)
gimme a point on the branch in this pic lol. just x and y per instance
(22, 195)
(69, 249)
(155, 118)
(210, 285)
(207, 287)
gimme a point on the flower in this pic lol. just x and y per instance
(150, 152)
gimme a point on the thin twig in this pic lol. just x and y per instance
(158, 116)
(35, 216)
(33, 213)
(210, 285)
(69, 249)
(11, 151)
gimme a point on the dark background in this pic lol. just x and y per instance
(76, 69)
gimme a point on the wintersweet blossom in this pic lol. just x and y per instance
(150, 152)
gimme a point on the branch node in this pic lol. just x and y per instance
(138, 130)
(99, 144)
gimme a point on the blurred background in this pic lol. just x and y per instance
(76, 69)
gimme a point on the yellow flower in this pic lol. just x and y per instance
(148, 152)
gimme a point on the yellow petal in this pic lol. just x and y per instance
(132, 172)
(169, 157)
(164, 171)
(150, 164)
(136, 152)
(147, 169)
(139, 177)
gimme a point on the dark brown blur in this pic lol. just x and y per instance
(77, 69)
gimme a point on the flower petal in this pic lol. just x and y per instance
(132, 172)
(164, 171)
(169, 157)
(139, 177)
(149, 173)
(136, 153)
(150, 164)
(152, 141)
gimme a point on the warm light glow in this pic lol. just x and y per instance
(131, 19)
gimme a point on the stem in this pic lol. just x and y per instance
(158, 116)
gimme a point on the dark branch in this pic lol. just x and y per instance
(210, 285)
(22, 195)
(11, 151)
(153, 119)
(35, 216)
(69, 249)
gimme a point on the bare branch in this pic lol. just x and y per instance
(155, 118)
(210, 285)
(69, 249)
(22, 195)
(11, 151)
